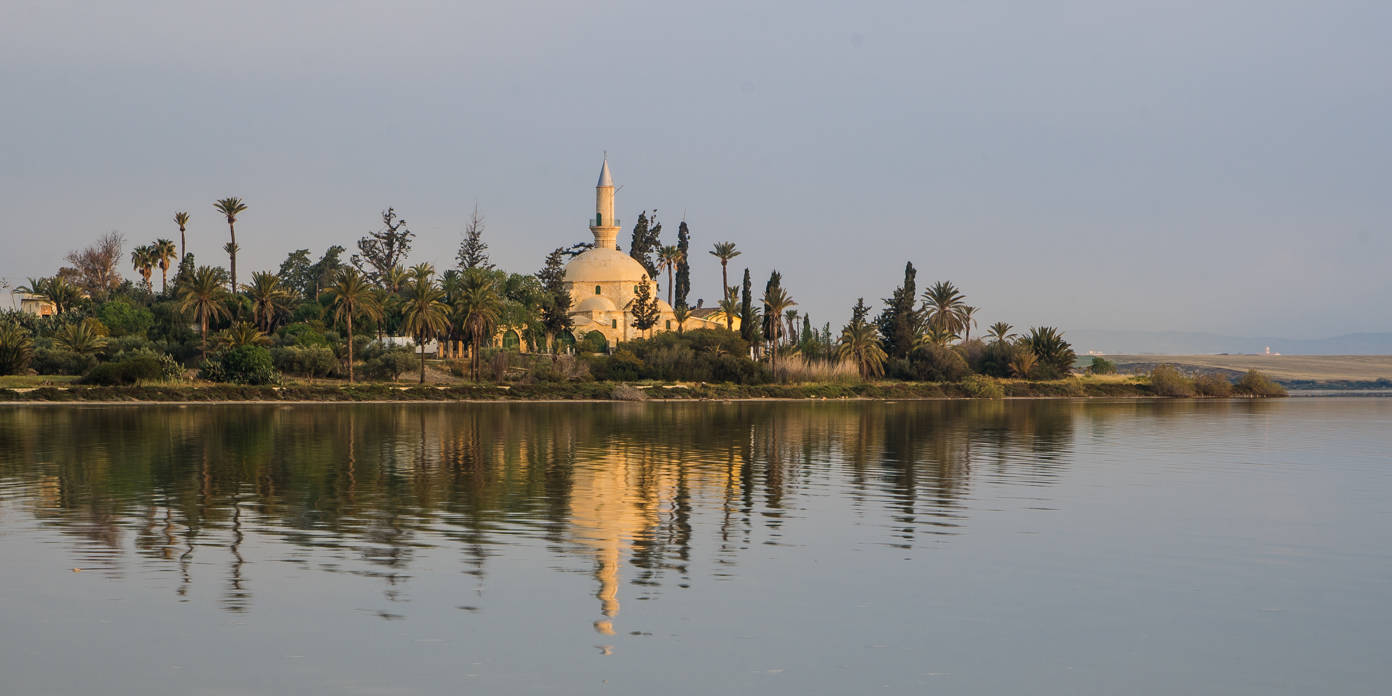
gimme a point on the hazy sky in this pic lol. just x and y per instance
(1206, 166)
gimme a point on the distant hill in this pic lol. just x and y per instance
(1181, 343)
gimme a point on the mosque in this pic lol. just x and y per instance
(603, 282)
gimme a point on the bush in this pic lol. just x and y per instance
(241, 365)
(623, 392)
(125, 319)
(973, 352)
(389, 364)
(1257, 384)
(982, 387)
(995, 360)
(56, 361)
(134, 369)
(16, 349)
(1166, 380)
(1212, 385)
(1102, 366)
(309, 361)
(932, 363)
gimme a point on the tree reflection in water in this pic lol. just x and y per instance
(360, 488)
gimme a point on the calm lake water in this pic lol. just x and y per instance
(1053, 547)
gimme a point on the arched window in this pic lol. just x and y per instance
(613, 323)
(596, 289)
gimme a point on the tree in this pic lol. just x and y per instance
(64, 295)
(203, 295)
(556, 309)
(351, 294)
(730, 307)
(943, 306)
(644, 308)
(241, 334)
(473, 251)
(16, 348)
(231, 208)
(143, 261)
(899, 322)
(776, 302)
(424, 316)
(269, 299)
(385, 249)
(1022, 362)
(860, 343)
(724, 251)
(1000, 332)
(295, 272)
(324, 271)
(94, 267)
(667, 258)
(681, 313)
(181, 219)
(749, 314)
(683, 281)
(164, 255)
(1046, 342)
(478, 309)
(647, 237)
(83, 337)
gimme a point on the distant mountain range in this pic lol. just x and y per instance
(1181, 343)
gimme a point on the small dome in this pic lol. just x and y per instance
(595, 303)
(604, 266)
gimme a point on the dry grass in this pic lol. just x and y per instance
(25, 381)
(796, 369)
(1319, 368)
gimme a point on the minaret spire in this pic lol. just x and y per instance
(604, 225)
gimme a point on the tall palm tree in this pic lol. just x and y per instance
(204, 295)
(968, 315)
(478, 309)
(58, 290)
(943, 303)
(143, 261)
(424, 316)
(860, 344)
(724, 251)
(776, 302)
(352, 294)
(231, 207)
(181, 218)
(269, 299)
(164, 254)
(668, 257)
(1000, 331)
(730, 307)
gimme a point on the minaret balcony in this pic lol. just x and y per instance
(596, 222)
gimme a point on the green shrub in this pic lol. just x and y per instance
(247, 364)
(982, 387)
(1101, 366)
(1257, 384)
(131, 370)
(1166, 380)
(1212, 385)
(125, 319)
(309, 361)
(16, 349)
(56, 361)
(389, 364)
(931, 363)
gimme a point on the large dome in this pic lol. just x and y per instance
(604, 265)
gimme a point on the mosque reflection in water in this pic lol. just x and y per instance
(629, 488)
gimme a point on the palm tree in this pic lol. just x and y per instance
(681, 314)
(351, 294)
(181, 218)
(143, 261)
(394, 279)
(1023, 362)
(943, 303)
(668, 257)
(81, 337)
(231, 207)
(164, 253)
(860, 344)
(241, 334)
(425, 316)
(776, 302)
(790, 318)
(204, 296)
(730, 307)
(724, 251)
(269, 299)
(64, 295)
(968, 321)
(934, 335)
(477, 310)
(1000, 331)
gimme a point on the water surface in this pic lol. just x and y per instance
(1055, 547)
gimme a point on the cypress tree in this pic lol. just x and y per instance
(749, 315)
(647, 233)
(645, 311)
(683, 282)
(555, 314)
(899, 322)
(473, 251)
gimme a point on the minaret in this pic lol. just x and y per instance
(604, 225)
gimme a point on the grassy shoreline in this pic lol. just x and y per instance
(561, 392)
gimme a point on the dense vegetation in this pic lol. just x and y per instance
(330, 318)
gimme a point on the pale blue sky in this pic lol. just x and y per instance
(1206, 166)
